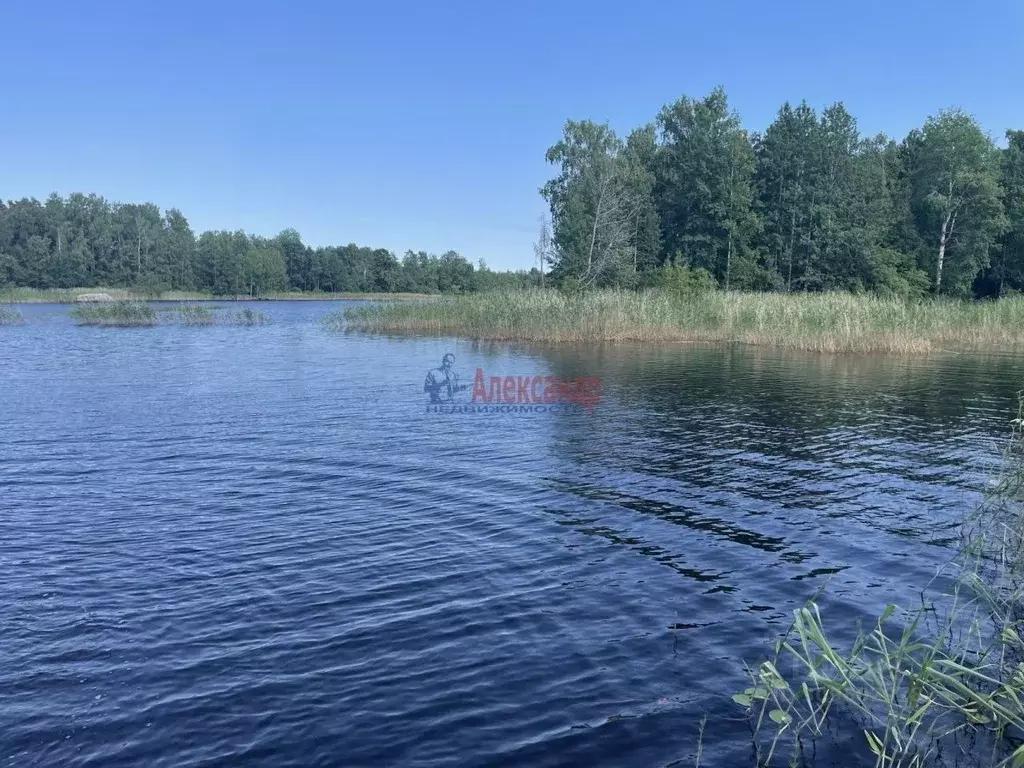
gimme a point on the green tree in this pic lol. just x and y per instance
(84, 240)
(1011, 251)
(705, 187)
(853, 211)
(265, 269)
(787, 156)
(384, 271)
(641, 157)
(957, 198)
(297, 258)
(454, 273)
(178, 251)
(10, 273)
(38, 256)
(595, 203)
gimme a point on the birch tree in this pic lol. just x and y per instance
(595, 202)
(957, 195)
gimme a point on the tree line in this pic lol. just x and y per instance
(85, 240)
(809, 204)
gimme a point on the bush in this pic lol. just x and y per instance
(571, 286)
(686, 281)
(151, 286)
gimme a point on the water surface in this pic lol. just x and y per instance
(230, 545)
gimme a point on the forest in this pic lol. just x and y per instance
(693, 198)
(809, 204)
(85, 240)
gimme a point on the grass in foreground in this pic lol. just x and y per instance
(10, 317)
(830, 322)
(924, 682)
(115, 314)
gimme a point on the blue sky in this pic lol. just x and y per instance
(413, 125)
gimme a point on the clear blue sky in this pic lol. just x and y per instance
(424, 125)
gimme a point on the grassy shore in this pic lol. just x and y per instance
(832, 322)
(70, 296)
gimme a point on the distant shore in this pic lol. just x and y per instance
(822, 322)
(70, 296)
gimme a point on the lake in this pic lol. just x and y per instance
(233, 545)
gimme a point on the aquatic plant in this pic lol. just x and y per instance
(334, 321)
(700, 741)
(951, 668)
(117, 314)
(824, 322)
(10, 316)
(249, 317)
(195, 314)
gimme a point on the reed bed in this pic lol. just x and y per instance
(115, 314)
(10, 316)
(130, 314)
(195, 314)
(249, 317)
(827, 322)
(940, 684)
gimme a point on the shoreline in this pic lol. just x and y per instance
(70, 296)
(918, 349)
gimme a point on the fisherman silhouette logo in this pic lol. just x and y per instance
(443, 383)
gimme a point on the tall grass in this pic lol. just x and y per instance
(115, 314)
(829, 322)
(10, 316)
(920, 681)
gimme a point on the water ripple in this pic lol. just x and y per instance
(255, 547)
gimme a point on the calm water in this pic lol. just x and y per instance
(255, 546)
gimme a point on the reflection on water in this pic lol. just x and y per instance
(255, 546)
